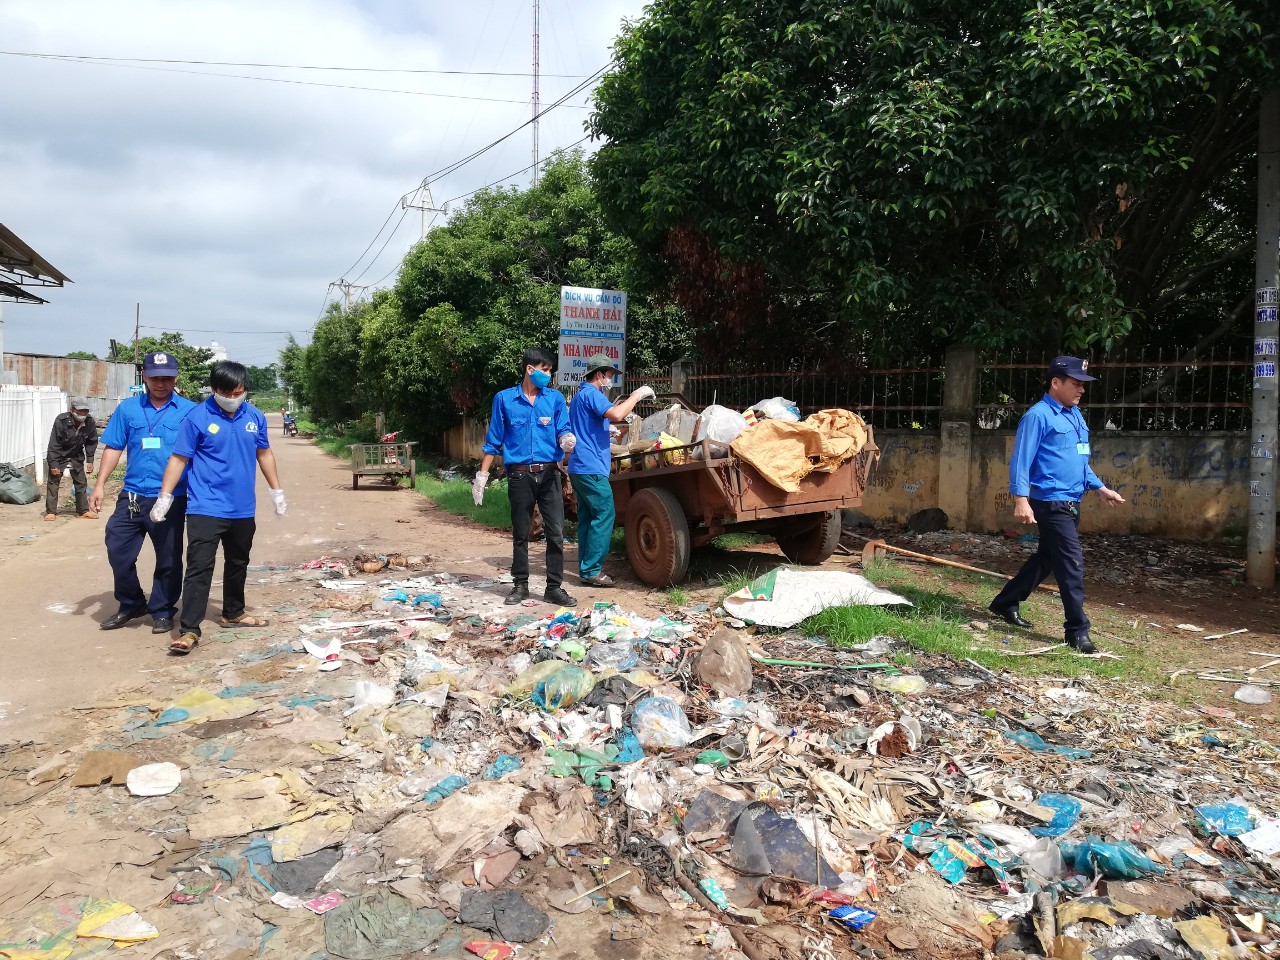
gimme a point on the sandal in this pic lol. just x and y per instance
(244, 620)
(50, 517)
(184, 644)
(599, 580)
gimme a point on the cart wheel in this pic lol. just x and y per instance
(657, 537)
(355, 481)
(816, 544)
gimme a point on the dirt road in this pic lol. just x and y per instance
(57, 586)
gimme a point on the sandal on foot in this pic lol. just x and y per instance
(184, 644)
(50, 517)
(599, 580)
(245, 620)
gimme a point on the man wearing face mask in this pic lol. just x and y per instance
(72, 443)
(222, 441)
(145, 427)
(589, 464)
(529, 427)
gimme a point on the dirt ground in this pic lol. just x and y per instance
(57, 584)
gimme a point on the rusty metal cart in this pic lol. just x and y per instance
(387, 461)
(672, 500)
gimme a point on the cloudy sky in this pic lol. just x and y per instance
(226, 206)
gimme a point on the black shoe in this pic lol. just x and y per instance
(161, 625)
(1012, 617)
(557, 595)
(1082, 644)
(518, 593)
(120, 618)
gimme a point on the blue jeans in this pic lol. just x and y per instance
(595, 521)
(1060, 554)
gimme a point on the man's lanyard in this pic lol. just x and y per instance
(164, 412)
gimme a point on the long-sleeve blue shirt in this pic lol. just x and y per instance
(1050, 458)
(524, 432)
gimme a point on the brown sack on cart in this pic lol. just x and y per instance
(785, 453)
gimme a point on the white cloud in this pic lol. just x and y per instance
(227, 204)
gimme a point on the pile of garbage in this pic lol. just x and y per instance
(770, 435)
(403, 766)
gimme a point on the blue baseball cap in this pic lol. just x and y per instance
(159, 364)
(1072, 367)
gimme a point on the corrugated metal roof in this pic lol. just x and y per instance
(15, 293)
(24, 265)
(104, 383)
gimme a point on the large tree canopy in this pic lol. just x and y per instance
(909, 171)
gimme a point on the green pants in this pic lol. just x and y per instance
(595, 521)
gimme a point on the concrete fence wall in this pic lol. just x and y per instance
(1187, 486)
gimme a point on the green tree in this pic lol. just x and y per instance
(331, 372)
(478, 291)
(827, 177)
(293, 370)
(82, 355)
(193, 362)
(264, 379)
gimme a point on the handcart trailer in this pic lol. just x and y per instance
(669, 501)
(388, 461)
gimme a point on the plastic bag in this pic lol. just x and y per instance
(1115, 861)
(778, 408)
(1068, 813)
(1227, 819)
(721, 425)
(529, 679)
(621, 654)
(724, 664)
(16, 486)
(659, 722)
(564, 688)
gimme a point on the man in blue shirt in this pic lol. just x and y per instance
(1049, 474)
(223, 440)
(144, 428)
(589, 464)
(529, 427)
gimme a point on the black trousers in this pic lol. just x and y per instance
(124, 535)
(79, 486)
(203, 536)
(544, 489)
(1059, 554)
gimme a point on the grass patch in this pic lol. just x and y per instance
(335, 444)
(678, 597)
(736, 541)
(733, 580)
(454, 496)
(935, 624)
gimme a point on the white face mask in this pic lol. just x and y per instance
(229, 404)
(79, 417)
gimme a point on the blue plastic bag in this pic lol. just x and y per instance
(1033, 741)
(1225, 819)
(1068, 813)
(504, 763)
(1115, 861)
(433, 599)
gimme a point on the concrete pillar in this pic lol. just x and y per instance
(955, 453)
(680, 375)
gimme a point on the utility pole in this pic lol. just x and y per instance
(346, 289)
(537, 76)
(137, 330)
(1260, 560)
(422, 200)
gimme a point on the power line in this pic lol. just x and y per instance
(390, 236)
(463, 196)
(458, 164)
(171, 329)
(284, 66)
(243, 76)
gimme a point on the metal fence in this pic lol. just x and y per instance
(1148, 391)
(1154, 390)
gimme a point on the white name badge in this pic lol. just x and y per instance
(1082, 449)
(150, 443)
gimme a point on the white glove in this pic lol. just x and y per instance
(643, 393)
(161, 508)
(568, 442)
(477, 487)
(614, 432)
(282, 505)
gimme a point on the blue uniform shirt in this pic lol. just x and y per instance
(224, 459)
(147, 435)
(525, 432)
(1051, 454)
(591, 456)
